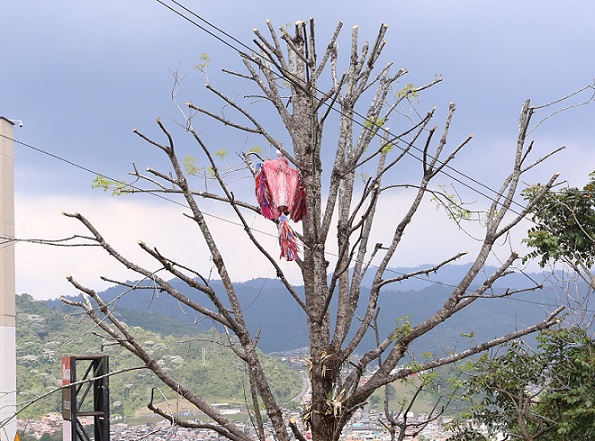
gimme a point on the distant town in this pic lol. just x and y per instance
(360, 429)
(366, 425)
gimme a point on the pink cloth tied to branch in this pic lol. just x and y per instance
(280, 193)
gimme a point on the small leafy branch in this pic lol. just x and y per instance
(409, 91)
(204, 62)
(116, 187)
(452, 203)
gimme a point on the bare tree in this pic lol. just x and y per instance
(338, 206)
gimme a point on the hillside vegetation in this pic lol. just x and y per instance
(203, 361)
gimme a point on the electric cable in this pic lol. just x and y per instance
(394, 140)
(11, 241)
(95, 173)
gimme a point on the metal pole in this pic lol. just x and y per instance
(8, 366)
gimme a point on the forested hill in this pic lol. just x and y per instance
(45, 335)
(282, 325)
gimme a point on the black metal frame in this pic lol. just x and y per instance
(96, 379)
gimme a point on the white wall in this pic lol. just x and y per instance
(7, 285)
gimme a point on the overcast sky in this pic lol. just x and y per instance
(82, 74)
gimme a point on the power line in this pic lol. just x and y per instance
(208, 23)
(287, 76)
(199, 26)
(11, 241)
(95, 173)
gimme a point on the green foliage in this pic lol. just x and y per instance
(255, 149)
(565, 225)
(202, 361)
(106, 184)
(204, 62)
(222, 153)
(571, 396)
(189, 163)
(409, 91)
(548, 394)
(387, 148)
(51, 437)
(404, 327)
(190, 167)
(452, 203)
(468, 434)
(374, 123)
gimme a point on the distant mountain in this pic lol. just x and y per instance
(282, 325)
